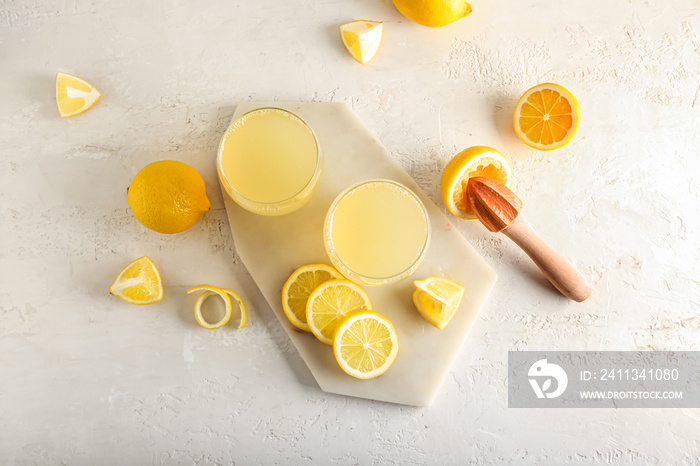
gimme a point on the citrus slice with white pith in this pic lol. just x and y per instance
(546, 116)
(299, 286)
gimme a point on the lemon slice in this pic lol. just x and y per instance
(473, 161)
(546, 116)
(298, 288)
(362, 39)
(73, 95)
(437, 299)
(365, 344)
(329, 303)
(139, 283)
(224, 294)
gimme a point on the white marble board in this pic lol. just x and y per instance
(272, 247)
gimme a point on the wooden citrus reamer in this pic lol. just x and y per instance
(498, 208)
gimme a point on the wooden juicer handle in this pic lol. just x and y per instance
(498, 208)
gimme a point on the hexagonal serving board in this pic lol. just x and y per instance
(272, 247)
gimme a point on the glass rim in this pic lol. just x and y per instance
(281, 201)
(328, 237)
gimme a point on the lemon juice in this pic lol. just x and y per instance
(377, 232)
(269, 161)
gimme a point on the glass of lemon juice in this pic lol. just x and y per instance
(269, 161)
(377, 232)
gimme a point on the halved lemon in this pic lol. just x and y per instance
(224, 294)
(546, 116)
(365, 344)
(362, 39)
(437, 299)
(73, 95)
(473, 161)
(139, 283)
(329, 303)
(298, 288)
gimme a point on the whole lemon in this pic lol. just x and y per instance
(433, 13)
(168, 196)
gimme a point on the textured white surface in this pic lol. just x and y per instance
(271, 248)
(88, 379)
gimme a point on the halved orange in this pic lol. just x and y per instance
(546, 116)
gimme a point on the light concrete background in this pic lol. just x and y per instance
(88, 379)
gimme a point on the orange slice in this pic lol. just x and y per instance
(546, 116)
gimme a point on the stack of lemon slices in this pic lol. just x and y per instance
(339, 313)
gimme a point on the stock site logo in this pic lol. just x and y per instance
(545, 372)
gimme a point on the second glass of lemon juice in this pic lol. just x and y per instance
(269, 161)
(377, 232)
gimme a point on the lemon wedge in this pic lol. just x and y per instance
(362, 39)
(139, 283)
(329, 303)
(224, 294)
(473, 161)
(73, 95)
(437, 299)
(365, 344)
(298, 288)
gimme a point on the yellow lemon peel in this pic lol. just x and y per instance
(224, 294)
